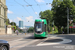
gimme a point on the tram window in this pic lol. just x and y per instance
(38, 27)
(43, 28)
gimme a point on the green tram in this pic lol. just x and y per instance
(40, 28)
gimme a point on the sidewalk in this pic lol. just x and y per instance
(71, 34)
(5, 35)
(65, 34)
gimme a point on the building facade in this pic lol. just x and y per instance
(20, 24)
(3, 16)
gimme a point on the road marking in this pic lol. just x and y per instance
(25, 44)
(54, 43)
(65, 41)
(16, 40)
(17, 43)
(19, 39)
(31, 46)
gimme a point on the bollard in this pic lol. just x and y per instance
(25, 33)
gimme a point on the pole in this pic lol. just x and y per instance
(49, 25)
(67, 20)
(25, 30)
(53, 27)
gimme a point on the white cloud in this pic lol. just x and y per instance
(19, 18)
(26, 23)
(10, 12)
(35, 12)
(49, 5)
(30, 19)
(11, 20)
(40, 0)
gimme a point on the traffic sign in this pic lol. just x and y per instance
(70, 27)
(73, 25)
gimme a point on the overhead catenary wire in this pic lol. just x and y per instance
(25, 9)
(30, 5)
(38, 5)
(22, 6)
(17, 2)
(32, 8)
(33, 5)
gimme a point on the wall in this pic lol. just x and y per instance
(3, 16)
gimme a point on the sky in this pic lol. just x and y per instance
(19, 10)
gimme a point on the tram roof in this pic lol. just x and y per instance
(41, 20)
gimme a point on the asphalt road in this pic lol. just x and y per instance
(28, 42)
(13, 37)
(49, 45)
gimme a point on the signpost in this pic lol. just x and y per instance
(70, 28)
(74, 25)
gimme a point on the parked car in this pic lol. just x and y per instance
(4, 45)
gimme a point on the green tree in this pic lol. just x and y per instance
(31, 29)
(48, 15)
(13, 23)
(7, 22)
(60, 12)
(73, 2)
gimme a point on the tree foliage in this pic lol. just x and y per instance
(31, 29)
(48, 15)
(60, 12)
(13, 23)
(73, 2)
(7, 22)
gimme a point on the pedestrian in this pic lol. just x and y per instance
(62, 32)
(16, 32)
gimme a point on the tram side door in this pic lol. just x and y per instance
(46, 29)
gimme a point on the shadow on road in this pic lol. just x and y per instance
(71, 37)
(40, 38)
(32, 37)
(53, 40)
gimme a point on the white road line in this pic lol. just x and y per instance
(17, 43)
(44, 40)
(19, 39)
(47, 39)
(62, 42)
(25, 44)
(16, 40)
